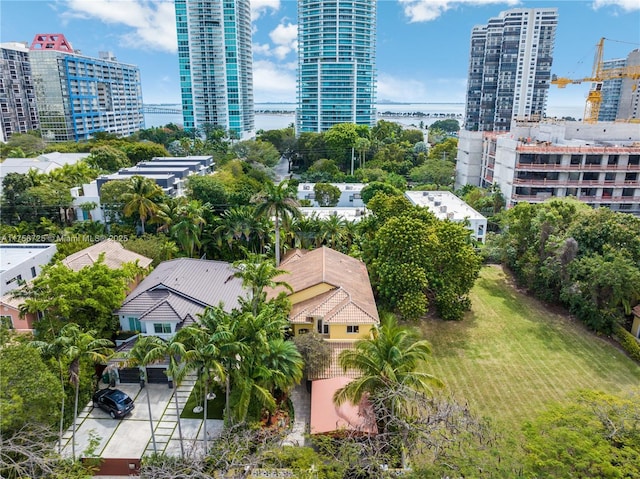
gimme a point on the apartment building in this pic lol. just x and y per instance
(510, 68)
(596, 163)
(336, 64)
(78, 96)
(18, 112)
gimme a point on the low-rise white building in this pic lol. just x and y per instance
(351, 214)
(350, 194)
(447, 206)
(22, 262)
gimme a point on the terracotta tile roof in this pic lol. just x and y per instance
(334, 306)
(636, 311)
(306, 269)
(114, 256)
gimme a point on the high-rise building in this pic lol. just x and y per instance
(336, 64)
(18, 112)
(510, 68)
(611, 91)
(78, 96)
(629, 102)
(215, 56)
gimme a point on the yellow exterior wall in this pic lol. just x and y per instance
(635, 328)
(298, 327)
(308, 293)
(339, 331)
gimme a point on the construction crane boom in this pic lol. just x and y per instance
(598, 75)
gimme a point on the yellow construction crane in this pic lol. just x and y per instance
(598, 75)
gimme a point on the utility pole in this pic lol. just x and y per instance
(352, 159)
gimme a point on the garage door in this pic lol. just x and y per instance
(157, 376)
(129, 375)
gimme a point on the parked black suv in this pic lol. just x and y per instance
(113, 401)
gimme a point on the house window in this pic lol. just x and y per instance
(322, 328)
(33, 271)
(353, 329)
(134, 324)
(5, 322)
(162, 328)
(303, 331)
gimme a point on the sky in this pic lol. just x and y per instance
(422, 45)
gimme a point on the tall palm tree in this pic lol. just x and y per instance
(74, 344)
(203, 354)
(257, 273)
(142, 198)
(393, 356)
(143, 353)
(333, 230)
(277, 201)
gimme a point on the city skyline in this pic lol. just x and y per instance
(422, 46)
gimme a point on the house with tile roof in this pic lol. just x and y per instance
(176, 292)
(332, 295)
(115, 256)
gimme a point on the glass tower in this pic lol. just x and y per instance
(336, 63)
(78, 96)
(215, 57)
(510, 68)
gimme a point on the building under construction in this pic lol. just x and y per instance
(597, 163)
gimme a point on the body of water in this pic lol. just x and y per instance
(273, 116)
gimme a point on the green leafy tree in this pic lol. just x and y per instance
(326, 194)
(596, 434)
(143, 151)
(450, 125)
(277, 201)
(340, 139)
(434, 171)
(444, 150)
(158, 247)
(87, 297)
(28, 391)
(315, 351)
(207, 189)
(257, 151)
(371, 189)
(187, 231)
(257, 273)
(108, 159)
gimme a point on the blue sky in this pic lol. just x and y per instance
(422, 50)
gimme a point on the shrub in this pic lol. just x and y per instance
(627, 341)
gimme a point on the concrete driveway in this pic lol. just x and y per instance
(130, 437)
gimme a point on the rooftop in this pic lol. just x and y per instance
(115, 255)
(12, 255)
(443, 204)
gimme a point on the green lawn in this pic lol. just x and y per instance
(215, 408)
(511, 355)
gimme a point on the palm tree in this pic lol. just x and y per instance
(333, 230)
(257, 273)
(141, 198)
(277, 201)
(73, 344)
(143, 353)
(188, 230)
(203, 354)
(393, 356)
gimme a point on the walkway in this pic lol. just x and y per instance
(99, 435)
(301, 400)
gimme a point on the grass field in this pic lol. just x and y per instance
(511, 355)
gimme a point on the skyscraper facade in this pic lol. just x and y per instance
(629, 102)
(611, 91)
(510, 68)
(78, 95)
(215, 58)
(336, 63)
(18, 112)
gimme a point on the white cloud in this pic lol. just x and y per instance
(285, 37)
(427, 10)
(260, 7)
(152, 22)
(627, 5)
(411, 90)
(273, 82)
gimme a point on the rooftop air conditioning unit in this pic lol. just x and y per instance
(430, 198)
(443, 209)
(450, 215)
(437, 202)
(306, 187)
(348, 187)
(425, 193)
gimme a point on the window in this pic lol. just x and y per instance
(353, 329)
(162, 328)
(134, 324)
(33, 271)
(322, 328)
(303, 331)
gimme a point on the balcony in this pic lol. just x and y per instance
(557, 167)
(586, 199)
(558, 183)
